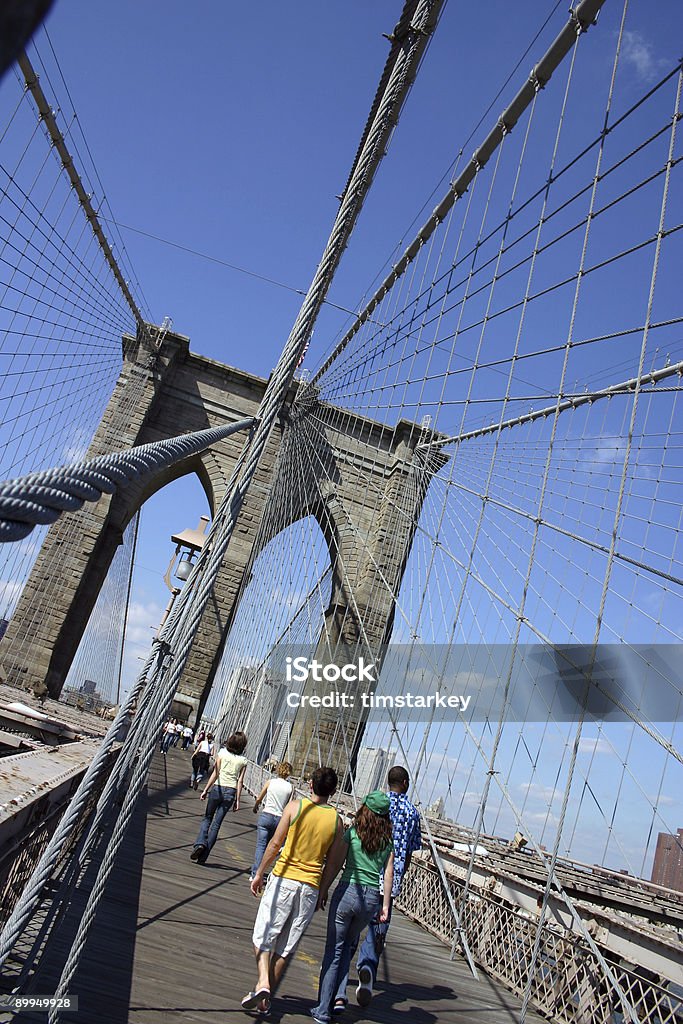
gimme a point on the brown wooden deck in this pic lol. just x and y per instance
(172, 941)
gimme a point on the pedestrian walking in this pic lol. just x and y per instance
(222, 792)
(366, 853)
(274, 797)
(203, 752)
(301, 842)
(167, 735)
(177, 733)
(407, 838)
(187, 736)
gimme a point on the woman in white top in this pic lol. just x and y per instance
(223, 789)
(167, 735)
(274, 796)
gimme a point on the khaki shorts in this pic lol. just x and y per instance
(284, 914)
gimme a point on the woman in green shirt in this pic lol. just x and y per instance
(365, 851)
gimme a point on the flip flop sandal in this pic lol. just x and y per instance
(252, 999)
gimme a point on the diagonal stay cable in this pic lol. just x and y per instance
(57, 138)
(580, 19)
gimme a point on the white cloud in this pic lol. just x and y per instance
(140, 618)
(540, 818)
(594, 745)
(536, 790)
(638, 53)
(139, 636)
(76, 447)
(609, 451)
(663, 800)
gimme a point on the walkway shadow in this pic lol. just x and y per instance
(385, 1008)
(227, 876)
(104, 976)
(404, 1002)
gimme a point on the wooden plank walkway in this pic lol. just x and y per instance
(172, 942)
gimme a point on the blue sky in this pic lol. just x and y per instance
(232, 136)
(233, 139)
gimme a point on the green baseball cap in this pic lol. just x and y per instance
(378, 802)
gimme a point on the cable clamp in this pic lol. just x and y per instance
(535, 79)
(579, 26)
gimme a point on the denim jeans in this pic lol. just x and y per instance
(369, 955)
(200, 768)
(218, 803)
(351, 908)
(265, 830)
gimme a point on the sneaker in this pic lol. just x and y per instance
(195, 784)
(339, 1006)
(198, 853)
(364, 988)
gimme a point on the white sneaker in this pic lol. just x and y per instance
(364, 988)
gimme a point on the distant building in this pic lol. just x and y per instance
(89, 687)
(372, 767)
(270, 735)
(436, 810)
(668, 866)
(242, 691)
(4, 623)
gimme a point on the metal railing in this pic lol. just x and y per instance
(20, 857)
(568, 986)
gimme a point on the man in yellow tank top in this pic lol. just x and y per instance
(305, 834)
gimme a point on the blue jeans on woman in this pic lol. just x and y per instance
(369, 955)
(265, 830)
(352, 907)
(218, 803)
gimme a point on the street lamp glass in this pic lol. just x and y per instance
(184, 567)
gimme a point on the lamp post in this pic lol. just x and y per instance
(188, 544)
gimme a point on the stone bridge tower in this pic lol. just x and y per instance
(176, 391)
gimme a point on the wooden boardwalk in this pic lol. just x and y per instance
(172, 941)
